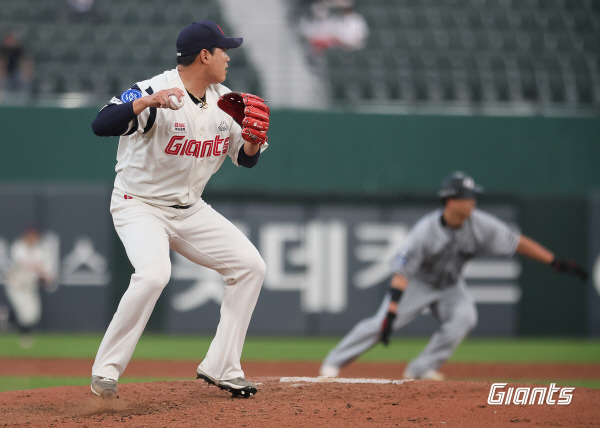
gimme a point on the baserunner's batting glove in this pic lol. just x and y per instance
(250, 112)
(386, 327)
(569, 266)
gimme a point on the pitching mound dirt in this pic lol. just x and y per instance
(193, 403)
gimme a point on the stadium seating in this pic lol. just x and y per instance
(106, 52)
(478, 53)
(473, 53)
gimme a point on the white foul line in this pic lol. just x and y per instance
(340, 380)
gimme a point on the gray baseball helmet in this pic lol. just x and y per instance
(459, 185)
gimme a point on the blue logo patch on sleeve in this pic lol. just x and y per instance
(130, 95)
(401, 259)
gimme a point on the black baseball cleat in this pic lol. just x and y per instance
(238, 387)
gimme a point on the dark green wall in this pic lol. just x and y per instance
(48, 144)
(554, 303)
(340, 153)
(389, 154)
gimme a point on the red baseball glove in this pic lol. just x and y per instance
(250, 112)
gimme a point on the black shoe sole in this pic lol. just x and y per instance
(245, 392)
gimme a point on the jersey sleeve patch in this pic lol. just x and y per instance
(400, 261)
(130, 95)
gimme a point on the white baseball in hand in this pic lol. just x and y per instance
(174, 103)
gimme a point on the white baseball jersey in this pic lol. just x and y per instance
(166, 156)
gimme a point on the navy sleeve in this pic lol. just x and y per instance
(113, 120)
(247, 160)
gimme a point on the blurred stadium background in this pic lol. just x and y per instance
(527, 56)
(507, 90)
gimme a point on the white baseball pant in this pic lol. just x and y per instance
(23, 293)
(205, 237)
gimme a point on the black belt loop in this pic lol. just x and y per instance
(181, 207)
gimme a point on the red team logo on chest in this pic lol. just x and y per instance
(178, 146)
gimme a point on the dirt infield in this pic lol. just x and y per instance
(460, 401)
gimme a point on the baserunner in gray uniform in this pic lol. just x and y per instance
(427, 273)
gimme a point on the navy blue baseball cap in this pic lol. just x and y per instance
(204, 35)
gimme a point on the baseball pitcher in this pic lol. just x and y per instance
(176, 129)
(427, 274)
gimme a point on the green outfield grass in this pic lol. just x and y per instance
(163, 347)
(177, 347)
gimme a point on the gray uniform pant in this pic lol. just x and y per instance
(453, 307)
